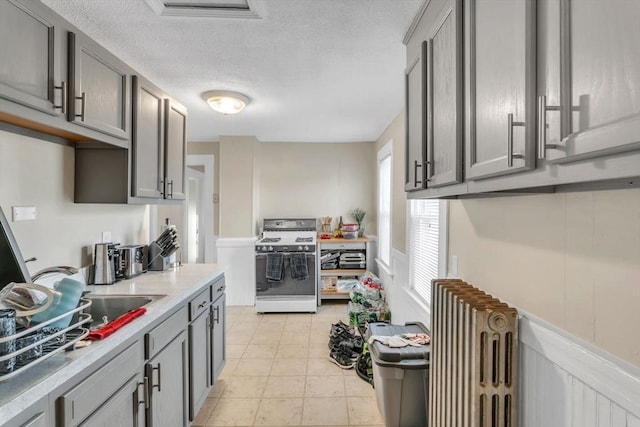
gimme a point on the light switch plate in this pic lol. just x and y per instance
(106, 237)
(23, 213)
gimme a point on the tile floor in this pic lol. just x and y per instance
(278, 374)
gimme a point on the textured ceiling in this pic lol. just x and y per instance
(316, 70)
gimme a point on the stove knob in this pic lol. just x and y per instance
(299, 248)
(306, 248)
(270, 248)
(264, 248)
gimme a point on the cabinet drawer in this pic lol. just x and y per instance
(199, 304)
(81, 401)
(343, 246)
(217, 288)
(162, 334)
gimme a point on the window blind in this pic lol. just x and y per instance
(384, 209)
(424, 235)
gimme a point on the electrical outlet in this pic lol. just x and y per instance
(216, 198)
(106, 237)
(23, 213)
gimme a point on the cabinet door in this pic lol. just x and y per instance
(500, 87)
(114, 386)
(415, 88)
(100, 88)
(167, 375)
(591, 106)
(31, 63)
(123, 408)
(200, 375)
(175, 150)
(218, 342)
(36, 415)
(444, 101)
(147, 140)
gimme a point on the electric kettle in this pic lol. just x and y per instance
(104, 270)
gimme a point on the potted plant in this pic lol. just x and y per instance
(358, 214)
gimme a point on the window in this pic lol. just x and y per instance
(427, 225)
(384, 205)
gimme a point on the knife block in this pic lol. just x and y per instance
(157, 262)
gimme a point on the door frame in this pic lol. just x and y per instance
(206, 160)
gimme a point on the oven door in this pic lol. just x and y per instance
(288, 286)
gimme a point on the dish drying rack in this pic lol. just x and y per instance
(52, 343)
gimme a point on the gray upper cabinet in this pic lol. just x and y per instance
(32, 57)
(444, 98)
(500, 87)
(99, 88)
(415, 122)
(147, 140)
(175, 150)
(589, 102)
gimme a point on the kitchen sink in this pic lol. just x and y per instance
(105, 308)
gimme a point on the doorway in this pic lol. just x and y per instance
(199, 240)
(193, 218)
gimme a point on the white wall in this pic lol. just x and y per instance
(40, 173)
(315, 180)
(572, 259)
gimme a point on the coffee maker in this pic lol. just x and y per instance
(105, 259)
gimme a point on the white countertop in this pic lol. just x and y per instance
(179, 285)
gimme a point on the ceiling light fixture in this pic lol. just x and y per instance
(226, 102)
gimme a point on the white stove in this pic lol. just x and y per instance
(286, 273)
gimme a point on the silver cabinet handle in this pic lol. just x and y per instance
(542, 126)
(216, 317)
(170, 184)
(164, 189)
(510, 154)
(159, 385)
(63, 97)
(83, 104)
(145, 392)
(416, 165)
(202, 304)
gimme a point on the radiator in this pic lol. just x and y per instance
(474, 356)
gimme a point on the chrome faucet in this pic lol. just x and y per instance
(65, 269)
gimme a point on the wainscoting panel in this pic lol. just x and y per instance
(238, 254)
(567, 383)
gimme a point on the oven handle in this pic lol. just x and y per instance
(262, 255)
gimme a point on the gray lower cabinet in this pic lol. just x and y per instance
(36, 415)
(200, 376)
(218, 322)
(123, 409)
(588, 103)
(32, 57)
(100, 89)
(167, 372)
(112, 395)
(500, 87)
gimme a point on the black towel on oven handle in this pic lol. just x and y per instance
(299, 269)
(275, 263)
